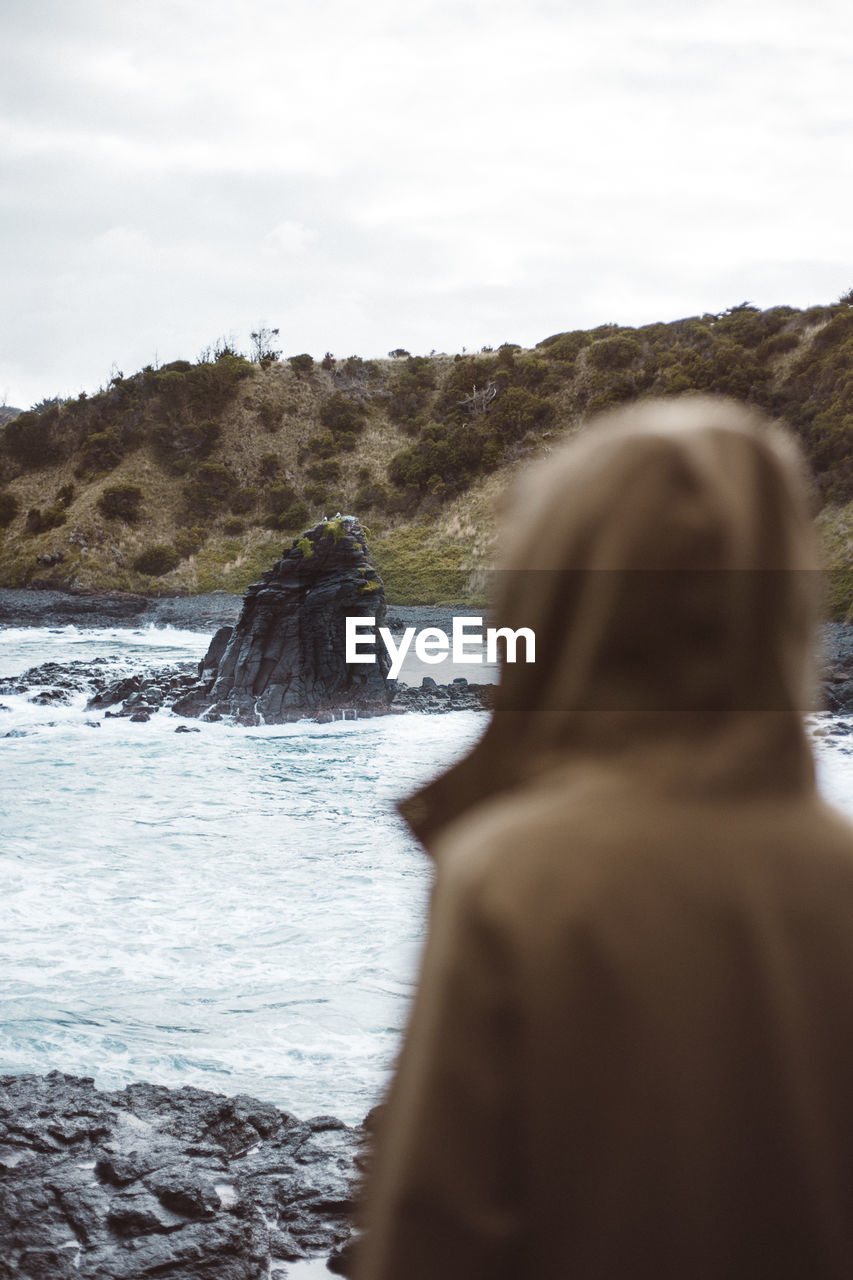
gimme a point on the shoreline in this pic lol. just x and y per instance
(151, 1179)
(34, 607)
(27, 607)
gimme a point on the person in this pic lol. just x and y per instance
(631, 1046)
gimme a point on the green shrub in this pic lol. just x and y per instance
(121, 502)
(372, 494)
(777, 345)
(179, 444)
(518, 411)
(327, 469)
(190, 540)
(243, 501)
(233, 525)
(9, 508)
(279, 496)
(293, 517)
(339, 413)
(746, 326)
(30, 438)
(301, 364)
(411, 393)
(39, 521)
(101, 451)
(322, 446)
(457, 402)
(193, 392)
(454, 454)
(209, 491)
(317, 493)
(532, 373)
(156, 560)
(269, 415)
(615, 352)
(360, 370)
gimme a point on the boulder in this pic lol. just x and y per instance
(285, 658)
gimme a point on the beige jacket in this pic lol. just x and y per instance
(631, 1049)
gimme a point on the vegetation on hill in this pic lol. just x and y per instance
(187, 477)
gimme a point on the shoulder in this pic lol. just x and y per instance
(545, 835)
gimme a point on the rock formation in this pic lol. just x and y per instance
(172, 1183)
(285, 658)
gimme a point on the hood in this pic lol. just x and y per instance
(665, 560)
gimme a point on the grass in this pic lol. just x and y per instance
(419, 566)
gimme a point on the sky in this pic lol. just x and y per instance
(436, 176)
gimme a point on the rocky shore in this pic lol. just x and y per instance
(31, 608)
(180, 1184)
(139, 696)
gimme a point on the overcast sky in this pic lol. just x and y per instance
(368, 174)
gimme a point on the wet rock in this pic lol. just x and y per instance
(146, 693)
(51, 697)
(210, 662)
(286, 657)
(57, 681)
(150, 1181)
(433, 698)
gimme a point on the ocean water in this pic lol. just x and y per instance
(238, 909)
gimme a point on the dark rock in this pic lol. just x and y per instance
(119, 691)
(50, 697)
(146, 693)
(150, 1181)
(434, 698)
(185, 728)
(56, 679)
(216, 649)
(285, 658)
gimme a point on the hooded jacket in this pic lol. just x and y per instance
(631, 1047)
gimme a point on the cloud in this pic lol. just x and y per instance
(427, 175)
(289, 238)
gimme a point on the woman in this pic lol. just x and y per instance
(631, 1049)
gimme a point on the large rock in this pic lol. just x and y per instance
(285, 658)
(180, 1184)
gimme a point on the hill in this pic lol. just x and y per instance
(189, 477)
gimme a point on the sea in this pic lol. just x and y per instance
(239, 909)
